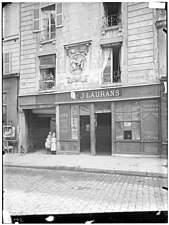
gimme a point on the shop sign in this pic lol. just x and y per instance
(100, 94)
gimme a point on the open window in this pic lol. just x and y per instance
(111, 72)
(48, 23)
(47, 72)
(112, 14)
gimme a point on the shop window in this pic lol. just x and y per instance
(128, 121)
(47, 72)
(48, 23)
(111, 65)
(7, 62)
(112, 14)
(4, 116)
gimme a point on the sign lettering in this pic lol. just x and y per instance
(108, 93)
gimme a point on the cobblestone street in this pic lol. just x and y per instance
(40, 191)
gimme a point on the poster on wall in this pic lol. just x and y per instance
(74, 122)
(64, 119)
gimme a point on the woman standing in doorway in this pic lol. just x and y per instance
(53, 143)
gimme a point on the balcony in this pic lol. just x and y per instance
(48, 34)
(46, 85)
(111, 20)
(115, 79)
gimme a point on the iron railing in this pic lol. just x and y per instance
(45, 85)
(111, 20)
(116, 78)
(48, 34)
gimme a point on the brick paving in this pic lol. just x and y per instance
(41, 191)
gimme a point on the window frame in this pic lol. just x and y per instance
(7, 63)
(111, 47)
(36, 19)
(5, 105)
(48, 17)
(46, 66)
(59, 14)
(122, 120)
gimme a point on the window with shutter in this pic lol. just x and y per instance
(48, 22)
(7, 63)
(36, 24)
(59, 14)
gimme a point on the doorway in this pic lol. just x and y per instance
(85, 134)
(103, 133)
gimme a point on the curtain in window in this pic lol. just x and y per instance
(106, 54)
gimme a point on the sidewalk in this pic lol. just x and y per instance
(143, 166)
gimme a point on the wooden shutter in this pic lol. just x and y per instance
(47, 61)
(59, 14)
(7, 66)
(36, 20)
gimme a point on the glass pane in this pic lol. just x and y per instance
(127, 125)
(4, 98)
(127, 116)
(7, 68)
(36, 13)
(119, 106)
(36, 24)
(119, 131)
(59, 20)
(135, 106)
(135, 130)
(135, 116)
(85, 109)
(59, 8)
(7, 57)
(119, 116)
(127, 134)
(4, 114)
(127, 107)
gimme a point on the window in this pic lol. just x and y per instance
(4, 108)
(36, 25)
(128, 121)
(59, 14)
(112, 14)
(6, 63)
(47, 71)
(48, 23)
(111, 64)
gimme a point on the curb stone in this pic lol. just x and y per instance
(80, 169)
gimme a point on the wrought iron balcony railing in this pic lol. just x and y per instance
(48, 34)
(116, 78)
(111, 20)
(45, 85)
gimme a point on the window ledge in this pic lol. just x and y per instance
(111, 84)
(112, 27)
(48, 41)
(47, 91)
(10, 38)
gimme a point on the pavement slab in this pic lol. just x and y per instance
(145, 166)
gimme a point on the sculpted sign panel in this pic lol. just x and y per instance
(99, 94)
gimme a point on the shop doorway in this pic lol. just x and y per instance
(85, 134)
(103, 133)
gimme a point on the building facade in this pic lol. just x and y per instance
(91, 73)
(11, 64)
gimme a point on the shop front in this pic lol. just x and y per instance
(112, 121)
(109, 121)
